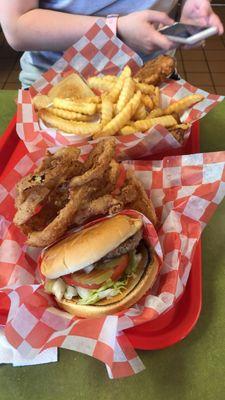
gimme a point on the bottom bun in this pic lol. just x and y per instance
(135, 290)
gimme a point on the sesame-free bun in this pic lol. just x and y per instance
(87, 246)
(134, 291)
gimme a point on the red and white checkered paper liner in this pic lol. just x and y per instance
(100, 52)
(185, 191)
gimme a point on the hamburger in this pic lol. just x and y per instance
(101, 269)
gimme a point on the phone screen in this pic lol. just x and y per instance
(182, 30)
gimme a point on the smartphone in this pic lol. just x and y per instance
(187, 34)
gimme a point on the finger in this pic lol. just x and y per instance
(158, 16)
(215, 21)
(162, 41)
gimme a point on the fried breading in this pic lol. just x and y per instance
(60, 223)
(106, 204)
(179, 130)
(142, 203)
(97, 163)
(64, 192)
(28, 208)
(155, 71)
(55, 201)
(54, 170)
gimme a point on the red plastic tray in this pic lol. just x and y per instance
(173, 325)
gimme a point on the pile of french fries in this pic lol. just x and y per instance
(120, 105)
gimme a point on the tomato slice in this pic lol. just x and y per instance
(72, 282)
(95, 279)
(120, 268)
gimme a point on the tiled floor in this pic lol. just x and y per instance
(203, 67)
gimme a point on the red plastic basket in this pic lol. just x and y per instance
(173, 325)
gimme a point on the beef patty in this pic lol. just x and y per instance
(125, 247)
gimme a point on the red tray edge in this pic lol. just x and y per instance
(8, 146)
(8, 142)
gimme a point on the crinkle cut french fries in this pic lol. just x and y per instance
(112, 105)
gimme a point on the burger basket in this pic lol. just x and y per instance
(100, 52)
(185, 191)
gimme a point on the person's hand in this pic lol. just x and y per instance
(139, 31)
(200, 13)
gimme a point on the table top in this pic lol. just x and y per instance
(192, 369)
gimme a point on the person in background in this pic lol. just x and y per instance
(44, 29)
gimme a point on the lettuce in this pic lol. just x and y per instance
(109, 289)
(133, 263)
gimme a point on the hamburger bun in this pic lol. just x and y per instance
(87, 246)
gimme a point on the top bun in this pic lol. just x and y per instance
(71, 86)
(87, 246)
